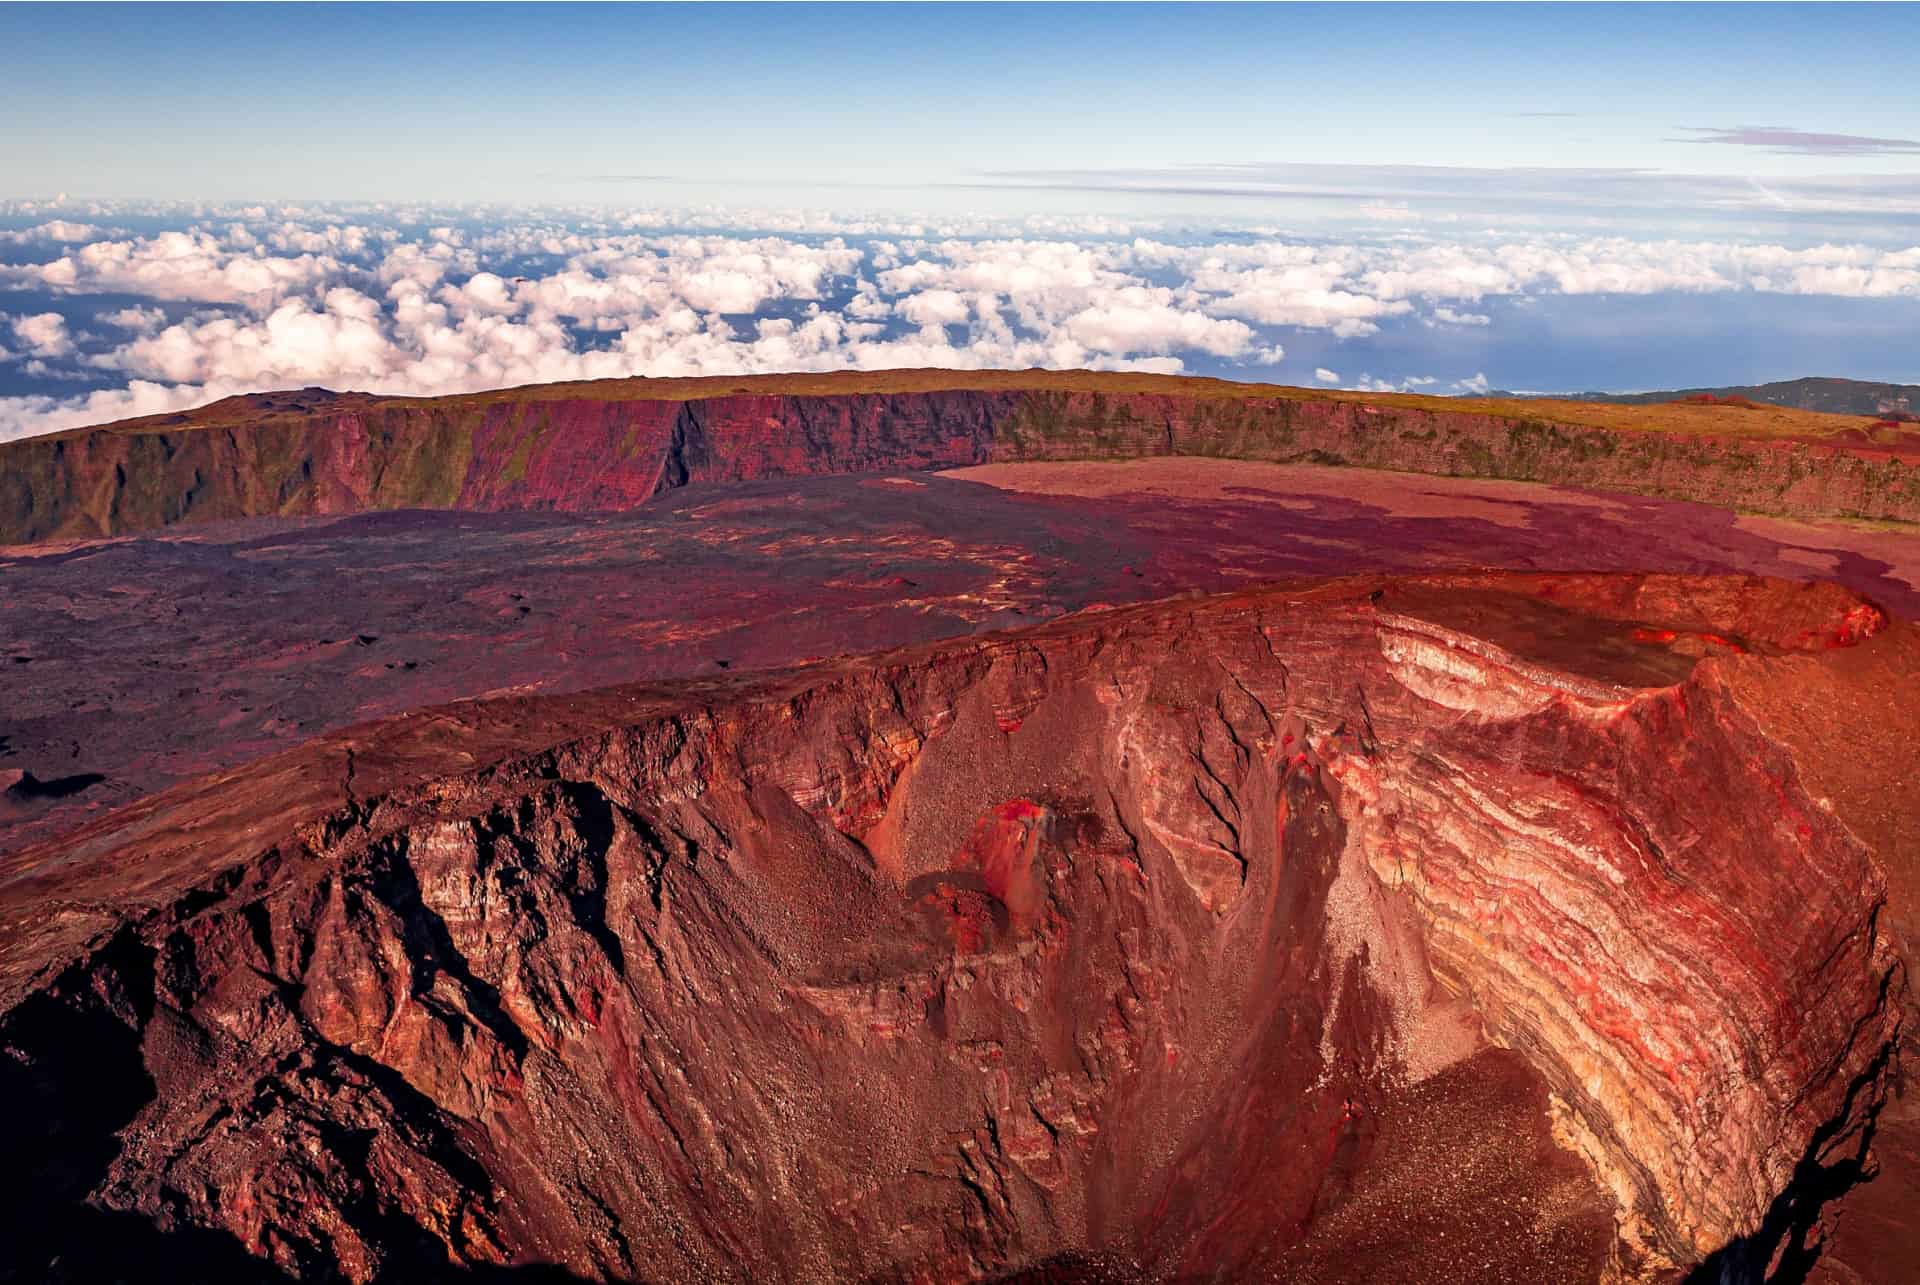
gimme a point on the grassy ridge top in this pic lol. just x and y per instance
(1680, 418)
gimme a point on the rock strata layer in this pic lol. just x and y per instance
(577, 449)
(1118, 941)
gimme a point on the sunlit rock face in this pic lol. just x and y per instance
(1149, 942)
(614, 445)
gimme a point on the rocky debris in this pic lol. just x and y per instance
(1142, 941)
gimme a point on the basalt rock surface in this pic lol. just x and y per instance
(613, 446)
(1202, 939)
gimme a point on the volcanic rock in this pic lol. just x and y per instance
(613, 445)
(1141, 942)
(198, 648)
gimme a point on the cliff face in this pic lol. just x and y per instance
(1129, 936)
(344, 455)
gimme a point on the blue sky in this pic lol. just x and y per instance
(541, 103)
(198, 201)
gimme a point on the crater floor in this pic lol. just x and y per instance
(134, 663)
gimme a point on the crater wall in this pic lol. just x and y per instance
(1122, 940)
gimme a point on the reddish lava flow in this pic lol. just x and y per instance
(1344, 930)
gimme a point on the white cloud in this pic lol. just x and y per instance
(1372, 384)
(482, 294)
(422, 300)
(55, 230)
(937, 308)
(1311, 294)
(342, 341)
(43, 334)
(177, 265)
(142, 321)
(26, 416)
(1387, 211)
(1142, 319)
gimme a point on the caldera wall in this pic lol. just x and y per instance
(349, 454)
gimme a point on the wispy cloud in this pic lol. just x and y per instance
(1512, 190)
(1787, 141)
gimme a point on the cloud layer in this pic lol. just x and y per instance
(1623, 197)
(118, 311)
(1785, 140)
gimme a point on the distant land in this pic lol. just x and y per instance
(1815, 393)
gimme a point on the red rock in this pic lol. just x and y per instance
(257, 618)
(824, 975)
(609, 446)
